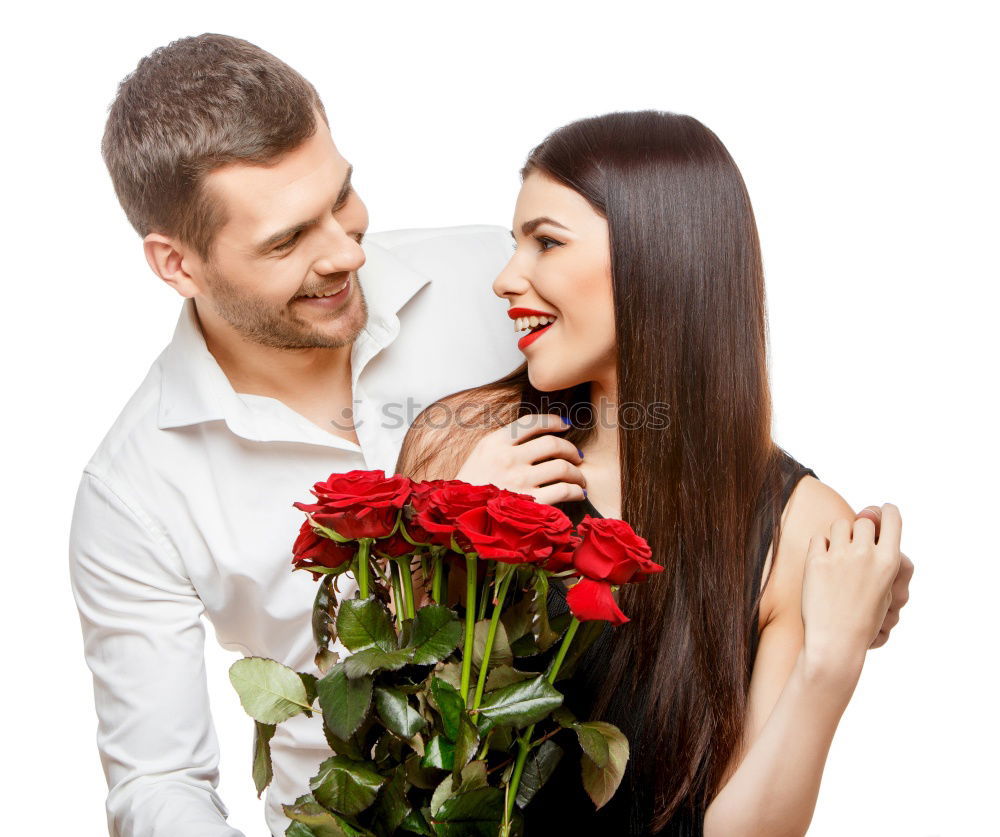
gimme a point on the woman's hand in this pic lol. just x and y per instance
(847, 589)
(514, 457)
(900, 586)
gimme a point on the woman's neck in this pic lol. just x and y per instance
(601, 462)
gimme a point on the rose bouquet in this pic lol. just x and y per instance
(441, 719)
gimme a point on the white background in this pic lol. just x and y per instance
(867, 135)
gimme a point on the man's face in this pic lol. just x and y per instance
(293, 228)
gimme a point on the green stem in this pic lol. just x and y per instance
(523, 749)
(361, 571)
(397, 594)
(487, 578)
(484, 666)
(524, 741)
(437, 592)
(563, 648)
(404, 568)
(470, 623)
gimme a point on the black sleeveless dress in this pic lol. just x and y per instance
(562, 803)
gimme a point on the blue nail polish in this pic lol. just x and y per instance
(566, 420)
(585, 494)
(580, 452)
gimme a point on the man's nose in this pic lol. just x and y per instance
(341, 252)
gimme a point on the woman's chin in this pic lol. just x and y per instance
(545, 381)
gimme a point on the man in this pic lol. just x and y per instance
(298, 353)
(223, 160)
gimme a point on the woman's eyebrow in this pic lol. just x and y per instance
(528, 227)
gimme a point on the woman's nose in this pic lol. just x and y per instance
(510, 280)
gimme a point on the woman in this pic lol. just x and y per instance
(635, 246)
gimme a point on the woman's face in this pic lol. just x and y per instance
(561, 267)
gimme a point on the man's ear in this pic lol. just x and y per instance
(171, 261)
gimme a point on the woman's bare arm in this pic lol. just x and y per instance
(795, 701)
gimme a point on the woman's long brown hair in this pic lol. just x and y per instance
(690, 322)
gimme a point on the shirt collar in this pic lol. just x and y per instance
(193, 387)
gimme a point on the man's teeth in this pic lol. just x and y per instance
(331, 293)
(522, 323)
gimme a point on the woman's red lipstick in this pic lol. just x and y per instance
(532, 336)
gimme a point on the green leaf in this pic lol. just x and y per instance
(602, 782)
(500, 655)
(593, 743)
(309, 681)
(391, 804)
(466, 743)
(314, 820)
(506, 675)
(437, 631)
(538, 769)
(450, 673)
(442, 793)
(370, 660)
(564, 717)
(473, 776)
(544, 635)
(450, 705)
(326, 659)
(269, 691)
(478, 812)
(324, 608)
(415, 823)
(425, 778)
(517, 619)
(396, 713)
(262, 770)
(345, 702)
(519, 704)
(440, 752)
(363, 623)
(345, 785)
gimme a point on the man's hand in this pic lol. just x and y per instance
(900, 586)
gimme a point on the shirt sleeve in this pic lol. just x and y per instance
(144, 643)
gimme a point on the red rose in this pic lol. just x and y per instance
(516, 529)
(418, 503)
(393, 547)
(594, 601)
(611, 551)
(312, 550)
(359, 504)
(438, 509)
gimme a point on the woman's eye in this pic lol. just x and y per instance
(544, 240)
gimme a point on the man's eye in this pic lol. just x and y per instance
(288, 244)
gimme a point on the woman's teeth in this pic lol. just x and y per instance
(522, 323)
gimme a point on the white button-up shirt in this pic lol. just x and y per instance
(186, 508)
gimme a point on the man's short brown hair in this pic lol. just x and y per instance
(191, 107)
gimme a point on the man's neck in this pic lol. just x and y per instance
(286, 374)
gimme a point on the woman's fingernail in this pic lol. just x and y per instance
(580, 452)
(565, 420)
(585, 494)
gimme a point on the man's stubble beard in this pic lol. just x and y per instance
(258, 321)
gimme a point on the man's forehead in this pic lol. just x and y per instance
(265, 194)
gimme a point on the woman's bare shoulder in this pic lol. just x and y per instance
(811, 508)
(443, 434)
